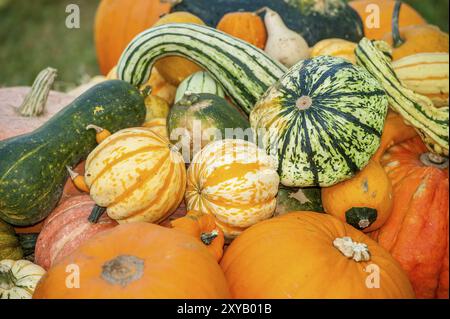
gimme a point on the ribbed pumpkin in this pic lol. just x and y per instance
(9, 243)
(176, 69)
(417, 232)
(365, 201)
(236, 182)
(137, 175)
(66, 229)
(18, 279)
(323, 119)
(138, 260)
(385, 9)
(247, 26)
(306, 255)
(335, 47)
(117, 22)
(426, 74)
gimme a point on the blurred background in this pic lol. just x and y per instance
(33, 35)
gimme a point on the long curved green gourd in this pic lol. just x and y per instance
(419, 111)
(244, 71)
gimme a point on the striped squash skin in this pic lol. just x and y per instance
(137, 175)
(244, 71)
(23, 275)
(159, 126)
(323, 121)
(236, 182)
(430, 122)
(426, 74)
(200, 82)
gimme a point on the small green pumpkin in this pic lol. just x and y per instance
(200, 82)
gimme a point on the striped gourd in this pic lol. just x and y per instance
(200, 82)
(136, 175)
(323, 121)
(18, 279)
(426, 74)
(430, 122)
(244, 71)
(235, 181)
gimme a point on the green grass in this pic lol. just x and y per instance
(33, 36)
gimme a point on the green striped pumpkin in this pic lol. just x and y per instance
(244, 71)
(200, 82)
(430, 122)
(322, 120)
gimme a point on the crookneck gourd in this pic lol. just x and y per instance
(430, 122)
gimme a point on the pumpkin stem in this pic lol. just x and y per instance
(261, 10)
(146, 91)
(78, 180)
(361, 217)
(96, 213)
(34, 103)
(350, 249)
(431, 159)
(101, 133)
(7, 280)
(208, 238)
(397, 40)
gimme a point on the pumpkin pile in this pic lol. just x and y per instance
(226, 143)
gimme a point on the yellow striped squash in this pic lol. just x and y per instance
(236, 182)
(18, 279)
(158, 125)
(137, 175)
(426, 74)
(339, 48)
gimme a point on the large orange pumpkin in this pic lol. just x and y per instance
(408, 16)
(247, 26)
(137, 260)
(117, 22)
(416, 234)
(311, 255)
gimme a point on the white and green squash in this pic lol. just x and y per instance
(200, 82)
(322, 120)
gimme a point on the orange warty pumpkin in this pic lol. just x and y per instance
(247, 26)
(311, 255)
(138, 260)
(408, 16)
(117, 22)
(416, 234)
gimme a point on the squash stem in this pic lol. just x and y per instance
(431, 159)
(96, 214)
(397, 40)
(261, 10)
(208, 238)
(34, 103)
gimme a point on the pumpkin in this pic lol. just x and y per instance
(159, 126)
(137, 175)
(234, 181)
(426, 74)
(335, 47)
(365, 201)
(202, 227)
(306, 255)
(66, 229)
(416, 234)
(175, 69)
(415, 39)
(323, 120)
(117, 22)
(41, 105)
(291, 199)
(9, 243)
(121, 262)
(198, 119)
(18, 279)
(247, 26)
(371, 10)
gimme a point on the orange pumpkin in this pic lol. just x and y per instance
(117, 22)
(365, 201)
(202, 227)
(416, 234)
(415, 39)
(247, 26)
(385, 8)
(310, 255)
(138, 260)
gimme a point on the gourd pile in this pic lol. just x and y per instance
(336, 188)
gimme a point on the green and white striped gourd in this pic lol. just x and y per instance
(197, 83)
(418, 110)
(322, 120)
(244, 71)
